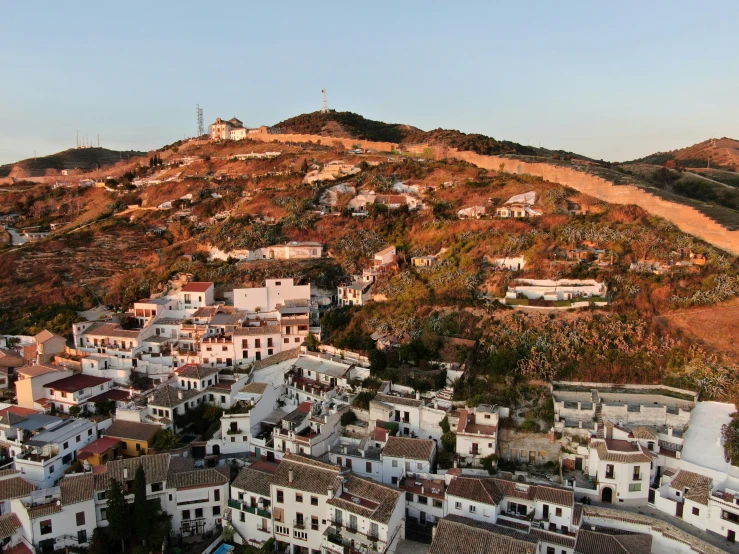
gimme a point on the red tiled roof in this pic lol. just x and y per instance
(112, 394)
(197, 286)
(379, 434)
(100, 445)
(18, 410)
(305, 407)
(77, 382)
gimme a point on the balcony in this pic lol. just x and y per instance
(236, 431)
(299, 524)
(474, 452)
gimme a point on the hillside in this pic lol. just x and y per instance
(83, 159)
(723, 152)
(351, 125)
(125, 252)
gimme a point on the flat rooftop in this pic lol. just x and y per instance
(325, 367)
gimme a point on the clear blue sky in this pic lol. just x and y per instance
(616, 80)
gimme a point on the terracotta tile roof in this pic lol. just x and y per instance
(308, 475)
(98, 446)
(623, 457)
(10, 358)
(112, 394)
(577, 514)
(11, 418)
(253, 480)
(168, 396)
(555, 538)
(612, 541)
(492, 490)
(255, 388)
(77, 488)
(197, 286)
(412, 449)
(132, 430)
(156, 467)
(45, 335)
(647, 433)
(9, 524)
(455, 535)
(15, 487)
(19, 548)
(277, 358)
(8, 472)
(195, 371)
(38, 369)
(398, 400)
(77, 382)
(45, 510)
(478, 489)
(384, 499)
(273, 329)
(687, 479)
(197, 478)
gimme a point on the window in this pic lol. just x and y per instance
(314, 523)
(558, 512)
(102, 496)
(185, 514)
(338, 517)
(550, 550)
(374, 532)
(349, 463)
(156, 487)
(51, 469)
(298, 497)
(81, 536)
(216, 495)
(280, 497)
(368, 467)
(352, 522)
(65, 445)
(216, 510)
(634, 487)
(419, 465)
(395, 463)
(394, 481)
(457, 505)
(78, 438)
(473, 509)
(286, 340)
(438, 504)
(198, 512)
(89, 432)
(242, 516)
(103, 513)
(80, 517)
(696, 511)
(609, 472)
(45, 526)
(637, 473)
(138, 447)
(314, 501)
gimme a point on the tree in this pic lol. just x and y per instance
(141, 515)
(488, 463)
(449, 441)
(100, 541)
(104, 407)
(312, 342)
(74, 411)
(377, 360)
(119, 518)
(165, 440)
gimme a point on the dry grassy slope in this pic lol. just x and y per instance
(723, 151)
(75, 158)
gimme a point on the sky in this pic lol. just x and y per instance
(609, 80)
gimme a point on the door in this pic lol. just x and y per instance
(545, 511)
(258, 452)
(731, 536)
(608, 495)
(270, 456)
(679, 509)
(578, 464)
(423, 518)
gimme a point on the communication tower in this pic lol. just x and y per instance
(324, 105)
(201, 128)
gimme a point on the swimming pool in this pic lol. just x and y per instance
(224, 549)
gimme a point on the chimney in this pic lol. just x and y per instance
(125, 473)
(179, 394)
(330, 492)
(418, 395)
(290, 476)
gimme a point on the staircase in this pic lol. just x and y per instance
(601, 433)
(446, 394)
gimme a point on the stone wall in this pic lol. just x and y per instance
(518, 446)
(686, 218)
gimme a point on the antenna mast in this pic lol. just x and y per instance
(201, 128)
(324, 105)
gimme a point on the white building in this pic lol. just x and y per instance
(250, 505)
(477, 434)
(412, 414)
(562, 289)
(519, 205)
(622, 469)
(267, 298)
(357, 293)
(402, 455)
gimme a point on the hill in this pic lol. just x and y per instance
(83, 159)
(723, 152)
(351, 125)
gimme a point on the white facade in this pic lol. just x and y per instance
(267, 298)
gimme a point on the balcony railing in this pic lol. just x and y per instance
(233, 432)
(299, 524)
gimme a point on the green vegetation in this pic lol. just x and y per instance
(165, 440)
(348, 418)
(730, 435)
(363, 399)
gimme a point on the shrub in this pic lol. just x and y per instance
(449, 441)
(348, 418)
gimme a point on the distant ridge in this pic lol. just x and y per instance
(84, 159)
(723, 152)
(352, 125)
